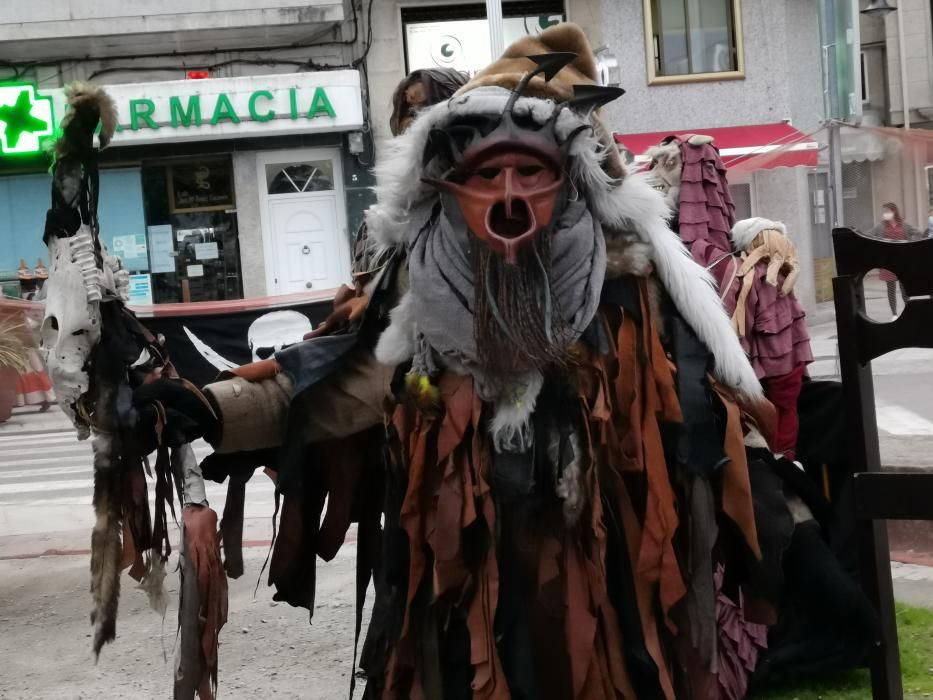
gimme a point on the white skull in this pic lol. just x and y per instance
(666, 171)
(71, 325)
(275, 330)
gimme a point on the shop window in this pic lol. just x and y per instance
(457, 36)
(298, 178)
(191, 228)
(691, 40)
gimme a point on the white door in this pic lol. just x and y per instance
(304, 223)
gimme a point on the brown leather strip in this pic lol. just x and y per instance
(656, 558)
(257, 371)
(736, 488)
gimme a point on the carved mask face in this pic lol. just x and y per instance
(508, 194)
(71, 325)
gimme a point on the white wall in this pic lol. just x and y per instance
(249, 224)
(918, 40)
(782, 73)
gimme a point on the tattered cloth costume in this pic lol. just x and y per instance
(552, 526)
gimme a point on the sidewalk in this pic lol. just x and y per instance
(28, 420)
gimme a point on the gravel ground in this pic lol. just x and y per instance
(267, 649)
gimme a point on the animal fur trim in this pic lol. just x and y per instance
(90, 103)
(106, 546)
(510, 426)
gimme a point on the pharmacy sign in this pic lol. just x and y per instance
(26, 119)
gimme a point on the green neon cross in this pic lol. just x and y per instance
(26, 118)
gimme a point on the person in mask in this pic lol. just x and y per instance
(893, 228)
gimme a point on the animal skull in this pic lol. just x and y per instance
(666, 167)
(71, 324)
(275, 330)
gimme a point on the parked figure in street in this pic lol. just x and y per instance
(759, 294)
(34, 388)
(893, 228)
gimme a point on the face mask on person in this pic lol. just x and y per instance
(887, 215)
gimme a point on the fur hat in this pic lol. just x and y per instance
(745, 231)
(508, 71)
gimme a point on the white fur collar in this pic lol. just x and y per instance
(631, 204)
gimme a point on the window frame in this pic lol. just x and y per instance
(655, 79)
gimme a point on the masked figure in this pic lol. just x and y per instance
(537, 497)
(532, 404)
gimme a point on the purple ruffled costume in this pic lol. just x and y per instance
(776, 339)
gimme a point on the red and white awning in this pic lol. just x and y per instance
(785, 146)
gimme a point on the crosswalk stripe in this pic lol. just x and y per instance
(77, 457)
(28, 449)
(82, 482)
(897, 420)
(255, 496)
(48, 471)
(41, 439)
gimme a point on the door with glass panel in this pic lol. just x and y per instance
(305, 222)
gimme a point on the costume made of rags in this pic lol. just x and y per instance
(556, 508)
(771, 323)
(754, 265)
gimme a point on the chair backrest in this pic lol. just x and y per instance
(890, 495)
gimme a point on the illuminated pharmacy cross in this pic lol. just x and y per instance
(25, 119)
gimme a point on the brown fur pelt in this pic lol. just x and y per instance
(106, 546)
(89, 103)
(508, 70)
(626, 255)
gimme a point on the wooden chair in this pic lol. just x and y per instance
(880, 495)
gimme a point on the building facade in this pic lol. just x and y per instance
(240, 163)
(884, 161)
(289, 171)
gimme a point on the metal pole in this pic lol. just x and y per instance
(835, 172)
(902, 56)
(494, 18)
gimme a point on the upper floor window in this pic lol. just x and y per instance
(441, 35)
(691, 40)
